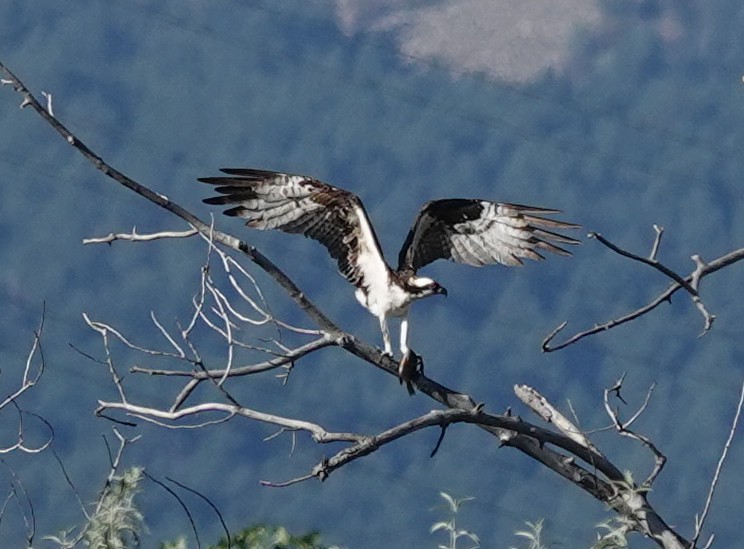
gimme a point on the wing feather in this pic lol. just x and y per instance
(480, 232)
(302, 205)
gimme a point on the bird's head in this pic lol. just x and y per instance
(421, 286)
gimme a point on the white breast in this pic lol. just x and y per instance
(384, 300)
(381, 296)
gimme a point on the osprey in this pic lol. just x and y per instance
(470, 231)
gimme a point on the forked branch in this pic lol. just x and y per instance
(33, 370)
(533, 441)
(623, 428)
(689, 283)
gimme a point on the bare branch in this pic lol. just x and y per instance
(697, 273)
(32, 373)
(161, 200)
(166, 335)
(642, 408)
(20, 445)
(30, 379)
(48, 97)
(181, 503)
(17, 491)
(318, 433)
(651, 262)
(287, 483)
(664, 297)
(513, 432)
(198, 300)
(362, 444)
(623, 429)
(657, 242)
(700, 521)
(208, 502)
(695, 282)
(184, 394)
(257, 368)
(540, 405)
(104, 331)
(71, 485)
(367, 445)
(135, 237)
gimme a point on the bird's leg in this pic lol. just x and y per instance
(386, 336)
(409, 364)
(404, 335)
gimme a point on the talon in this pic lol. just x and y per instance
(408, 368)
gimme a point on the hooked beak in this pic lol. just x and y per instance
(442, 290)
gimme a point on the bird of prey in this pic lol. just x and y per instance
(471, 231)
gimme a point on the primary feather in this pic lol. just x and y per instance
(480, 232)
(470, 231)
(298, 204)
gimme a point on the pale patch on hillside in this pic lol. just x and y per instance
(513, 40)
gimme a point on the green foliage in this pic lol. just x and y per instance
(449, 526)
(117, 522)
(180, 543)
(615, 535)
(263, 536)
(533, 535)
(64, 539)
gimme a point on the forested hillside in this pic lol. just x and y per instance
(645, 126)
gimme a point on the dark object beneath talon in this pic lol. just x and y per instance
(408, 368)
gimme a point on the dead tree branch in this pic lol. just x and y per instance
(599, 477)
(550, 414)
(161, 200)
(623, 428)
(529, 439)
(689, 283)
(32, 373)
(700, 520)
(19, 495)
(135, 237)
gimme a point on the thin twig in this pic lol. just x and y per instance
(257, 368)
(650, 262)
(657, 242)
(180, 502)
(71, 485)
(700, 521)
(208, 502)
(28, 380)
(30, 519)
(623, 429)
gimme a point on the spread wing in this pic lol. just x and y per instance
(297, 204)
(479, 232)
